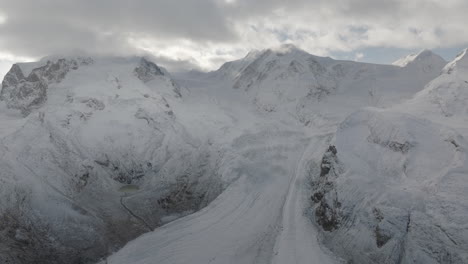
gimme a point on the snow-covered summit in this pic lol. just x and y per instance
(289, 79)
(369, 189)
(232, 70)
(425, 58)
(118, 152)
(26, 86)
(92, 131)
(403, 171)
(446, 95)
(460, 63)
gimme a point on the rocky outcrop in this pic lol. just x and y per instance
(147, 71)
(26, 93)
(392, 191)
(327, 205)
(107, 147)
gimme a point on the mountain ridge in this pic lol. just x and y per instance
(246, 158)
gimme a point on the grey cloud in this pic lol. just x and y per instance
(175, 65)
(207, 28)
(45, 26)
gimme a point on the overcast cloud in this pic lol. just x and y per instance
(205, 33)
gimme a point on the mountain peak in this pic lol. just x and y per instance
(255, 58)
(147, 70)
(425, 56)
(424, 53)
(460, 62)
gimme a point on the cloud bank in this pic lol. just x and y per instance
(205, 33)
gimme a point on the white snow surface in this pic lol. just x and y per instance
(403, 177)
(425, 58)
(249, 140)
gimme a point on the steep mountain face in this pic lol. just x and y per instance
(232, 69)
(287, 79)
(425, 59)
(96, 151)
(445, 97)
(385, 184)
(393, 191)
(100, 159)
(27, 92)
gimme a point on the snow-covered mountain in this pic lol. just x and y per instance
(262, 161)
(99, 159)
(424, 59)
(287, 79)
(445, 97)
(393, 190)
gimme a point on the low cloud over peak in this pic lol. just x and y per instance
(204, 33)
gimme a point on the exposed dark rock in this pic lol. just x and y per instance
(147, 70)
(181, 198)
(318, 92)
(27, 96)
(378, 214)
(26, 93)
(399, 147)
(327, 217)
(27, 240)
(328, 207)
(380, 237)
(93, 103)
(454, 143)
(128, 175)
(12, 78)
(402, 147)
(104, 163)
(317, 197)
(327, 161)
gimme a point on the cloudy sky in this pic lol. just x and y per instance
(202, 34)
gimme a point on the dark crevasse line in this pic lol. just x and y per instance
(140, 219)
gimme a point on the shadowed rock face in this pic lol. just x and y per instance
(94, 194)
(102, 216)
(148, 71)
(327, 213)
(26, 93)
(373, 194)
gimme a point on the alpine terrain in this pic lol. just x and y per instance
(280, 157)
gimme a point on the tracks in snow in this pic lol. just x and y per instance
(297, 243)
(257, 219)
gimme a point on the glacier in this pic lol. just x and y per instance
(278, 157)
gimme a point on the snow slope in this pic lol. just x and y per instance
(396, 192)
(221, 166)
(445, 97)
(99, 159)
(242, 224)
(311, 88)
(424, 59)
(271, 223)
